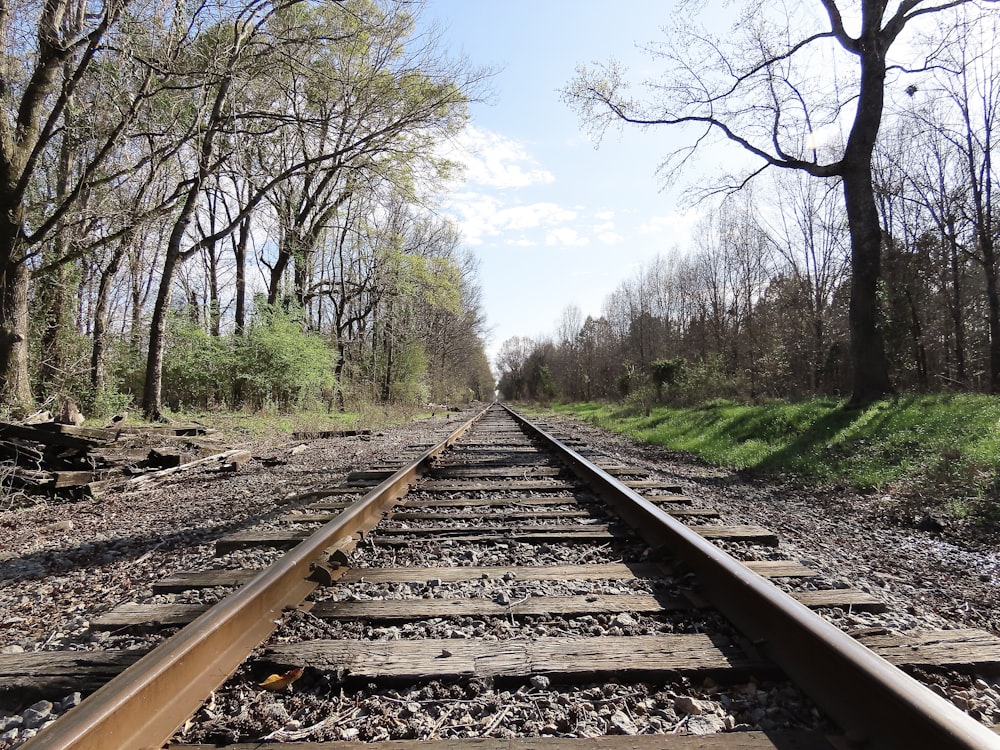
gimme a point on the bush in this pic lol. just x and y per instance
(277, 363)
(197, 367)
(409, 376)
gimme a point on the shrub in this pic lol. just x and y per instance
(277, 363)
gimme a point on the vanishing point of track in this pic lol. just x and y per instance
(871, 702)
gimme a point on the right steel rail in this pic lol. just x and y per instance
(874, 703)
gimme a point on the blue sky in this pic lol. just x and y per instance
(554, 221)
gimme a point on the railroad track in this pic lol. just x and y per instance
(512, 587)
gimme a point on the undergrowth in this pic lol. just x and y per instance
(944, 449)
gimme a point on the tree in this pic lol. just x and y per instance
(969, 82)
(760, 89)
(40, 73)
(807, 233)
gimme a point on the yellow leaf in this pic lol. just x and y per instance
(281, 681)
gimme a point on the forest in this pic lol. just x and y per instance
(759, 304)
(231, 204)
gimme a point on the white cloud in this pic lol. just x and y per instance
(493, 160)
(532, 216)
(481, 216)
(566, 237)
(675, 222)
(610, 238)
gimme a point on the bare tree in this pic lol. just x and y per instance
(968, 81)
(761, 90)
(805, 227)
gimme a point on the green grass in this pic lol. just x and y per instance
(948, 445)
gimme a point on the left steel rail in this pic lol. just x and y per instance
(144, 705)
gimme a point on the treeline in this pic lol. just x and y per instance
(757, 306)
(231, 203)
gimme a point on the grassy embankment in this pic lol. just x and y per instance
(942, 450)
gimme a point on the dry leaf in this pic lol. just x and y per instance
(281, 681)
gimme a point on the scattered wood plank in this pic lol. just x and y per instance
(96, 434)
(578, 534)
(63, 479)
(800, 740)
(841, 599)
(781, 569)
(501, 516)
(63, 438)
(965, 650)
(447, 485)
(148, 617)
(172, 430)
(668, 498)
(167, 458)
(185, 581)
(654, 484)
(232, 458)
(475, 502)
(325, 434)
(652, 656)
(749, 534)
(26, 678)
(476, 472)
(611, 571)
(566, 659)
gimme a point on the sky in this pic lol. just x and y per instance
(553, 221)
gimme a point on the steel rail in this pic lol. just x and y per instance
(144, 705)
(874, 703)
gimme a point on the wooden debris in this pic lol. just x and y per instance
(226, 460)
(53, 458)
(71, 413)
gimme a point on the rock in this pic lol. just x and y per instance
(540, 681)
(706, 725)
(349, 733)
(931, 523)
(36, 715)
(620, 721)
(14, 649)
(625, 620)
(60, 526)
(10, 722)
(434, 582)
(8, 738)
(70, 701)
(687, 705)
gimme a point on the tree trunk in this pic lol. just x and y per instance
(993, 308)
(97, 379)
(957, 313)
(240, 254)
(152, 391)
(871, 367)
(15, 388)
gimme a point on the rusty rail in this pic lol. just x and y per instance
(143, 706)
(875, 703)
